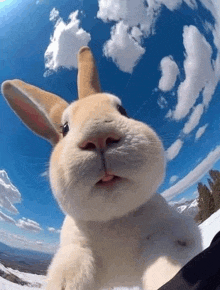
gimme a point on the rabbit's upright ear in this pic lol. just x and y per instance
(88, 79)
(41, 111)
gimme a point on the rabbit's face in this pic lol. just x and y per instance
(106, 164)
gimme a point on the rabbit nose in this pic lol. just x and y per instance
(100, 142)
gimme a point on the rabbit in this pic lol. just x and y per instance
(105, 169)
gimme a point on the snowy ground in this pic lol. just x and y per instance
(36, 282)
(208, 230)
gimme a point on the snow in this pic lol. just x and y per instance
(186, 207)
(182, 208)
(208, 228)
(28, 277)
(36, 281)
(194, 203)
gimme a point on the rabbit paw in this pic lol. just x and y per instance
(72, 269)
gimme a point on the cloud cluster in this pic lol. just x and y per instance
(134, 19)
(170, 71)
(202, 73)
(201, 79)
(193, 176)
(65, 42)
(22, 242)
(132, 16)
(6, 218)
(174, 149)
(214, 8)
(137, 12)
(24, 223)
(131, 12)
(9, 194)
(28, 225)
(199, 73)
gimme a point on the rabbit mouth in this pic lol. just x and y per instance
(108, 180)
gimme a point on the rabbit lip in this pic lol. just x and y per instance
(108, 179)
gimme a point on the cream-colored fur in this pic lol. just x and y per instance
(138, 159)
(117, 232)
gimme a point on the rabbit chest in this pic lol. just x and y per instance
(125, 247)
(117, 250)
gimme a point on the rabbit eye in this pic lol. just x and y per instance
(122, 110)
(65, 129)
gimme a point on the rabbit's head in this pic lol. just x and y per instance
(103, 164)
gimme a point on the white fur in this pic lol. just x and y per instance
(125, 236)
(138, 159)
(115, 234)
(151, 244)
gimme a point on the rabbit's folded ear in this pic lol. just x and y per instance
(88, 79)
(41, 111)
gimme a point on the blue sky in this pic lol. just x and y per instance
(161, 60)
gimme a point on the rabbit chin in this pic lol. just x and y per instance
(103, 202)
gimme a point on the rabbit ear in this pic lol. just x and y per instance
(88, 79)
(41, 111)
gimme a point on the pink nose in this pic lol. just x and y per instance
(100, 142)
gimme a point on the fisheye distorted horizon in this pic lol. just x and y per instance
(162, 58)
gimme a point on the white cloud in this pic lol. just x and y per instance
(123, 48)
(198, 70)
(19, 241)
(214, 8)
(171, 4)
(9, 194)
(28, 225)
(6, 218)
(169, 71)
(193, 176)
(54, 15)
(174, 149)
(65, 43)
(134, 13)
(193, 119)
(131, 12)
(173, 178)
(53, 230)
(200, 131)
